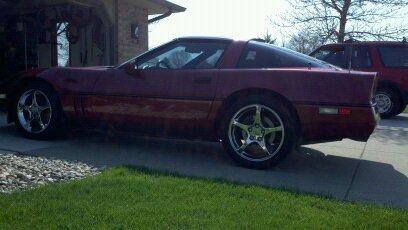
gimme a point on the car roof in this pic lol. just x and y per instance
(368, 43)
(204, 39)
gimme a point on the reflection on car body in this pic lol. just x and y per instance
(260, 100)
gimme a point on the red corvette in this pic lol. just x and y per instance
(260, 100)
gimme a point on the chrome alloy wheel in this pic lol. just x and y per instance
(256, 132)
(34, 111)
(383, 102)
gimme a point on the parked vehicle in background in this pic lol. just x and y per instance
(260, 100)
(388, 59)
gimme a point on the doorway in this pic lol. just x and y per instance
(63, 46)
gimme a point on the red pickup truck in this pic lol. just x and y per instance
(388, 59)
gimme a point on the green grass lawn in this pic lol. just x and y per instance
(406, 110)
(130, 198)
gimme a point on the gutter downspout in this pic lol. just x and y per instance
(160, 17)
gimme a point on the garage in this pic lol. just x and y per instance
(77, 33)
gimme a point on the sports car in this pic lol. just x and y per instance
(261, 101)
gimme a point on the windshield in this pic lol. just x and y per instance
(140, 55)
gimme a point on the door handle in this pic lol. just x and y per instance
(202, 80)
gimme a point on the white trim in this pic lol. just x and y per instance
(327, 110)
(2, 96)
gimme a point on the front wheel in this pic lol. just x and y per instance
(258, 132)
(38, 112)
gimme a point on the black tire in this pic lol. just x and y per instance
(404, 108)
(396, 103)
(56, 126)
(290, 135)
(401, 110)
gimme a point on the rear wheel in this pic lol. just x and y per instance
(388, 102)
(38, 112)
(258, 132)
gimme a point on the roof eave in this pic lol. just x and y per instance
(169, 6)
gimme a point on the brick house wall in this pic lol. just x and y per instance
(127, 14)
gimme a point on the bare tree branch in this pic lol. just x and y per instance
(338, 20)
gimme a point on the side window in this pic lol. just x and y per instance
(321, 54)
(360, 57)
(184, 56)
(174, 57)
(336, 56)
(211, 61)
(394, 57)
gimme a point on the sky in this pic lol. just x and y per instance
(237, 19)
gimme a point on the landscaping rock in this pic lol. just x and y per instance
(18, 172)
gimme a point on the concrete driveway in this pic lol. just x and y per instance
(374, 172)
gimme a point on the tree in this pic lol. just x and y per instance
(304, 42)
(339, 20)
(268, 38)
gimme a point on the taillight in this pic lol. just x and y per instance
(334, 111)
(344, 111)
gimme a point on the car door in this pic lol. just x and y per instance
(170, 89)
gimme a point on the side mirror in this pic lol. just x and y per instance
(131, 69)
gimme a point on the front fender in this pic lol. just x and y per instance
(11, 83)
(72, 81)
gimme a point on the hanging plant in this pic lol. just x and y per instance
(80, 17)
(48, 18)
(72, 34)
(98, 34)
